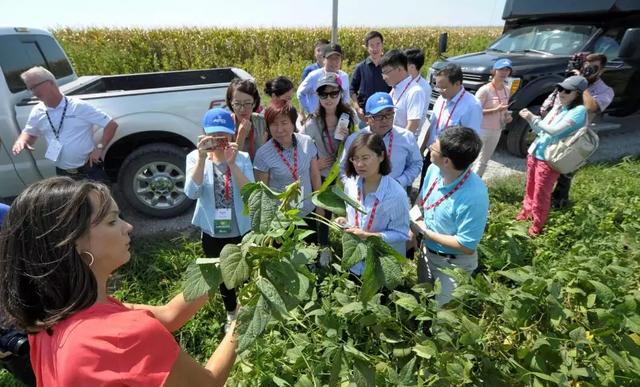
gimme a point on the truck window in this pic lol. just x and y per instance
(609, 43)
(557, 39)
(28, 51)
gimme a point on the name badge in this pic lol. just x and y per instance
(222, 221)
(53, 150)
(415, 213)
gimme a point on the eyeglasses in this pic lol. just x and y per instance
(333, 95)
(388, 70)
(434, 150)
(37, 84)
(365, 159)
(382, 117)
(242, 105)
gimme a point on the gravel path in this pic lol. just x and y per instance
(614, 145)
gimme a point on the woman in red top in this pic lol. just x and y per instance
(61, 241)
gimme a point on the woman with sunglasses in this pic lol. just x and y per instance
(494, 98)
(561, 122)
(251, 129)
(384, 200)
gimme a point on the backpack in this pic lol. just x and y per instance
(571, 152)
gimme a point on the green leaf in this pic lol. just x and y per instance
(270, 293)
(406, 301)
(262, 210)
(304, 381)
(426, 350)
(381, 248)
(406, 376)
(234, 267)
(372, 279)
(303, 255)
(251, 323)
(391, 272)
(604, 293)
(333, 174)
(200, 279)
(353, 250)
(329, 201)
(367, 373)
(336, 368)
(347, 199)
(471, 328)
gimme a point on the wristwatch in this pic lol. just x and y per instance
(100, 146)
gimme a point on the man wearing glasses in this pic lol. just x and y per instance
(455, 106)
(307, 90)
(402, 148)
(66, 123)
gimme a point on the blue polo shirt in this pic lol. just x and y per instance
(463, 214)
(308, 69)
(366, 80)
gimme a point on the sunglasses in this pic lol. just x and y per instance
(563, 90)
(332, 95)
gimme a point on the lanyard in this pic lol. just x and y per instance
(64, 112)
(446, 124)
(401, 94)
(431, 206)
(498, 94)
(227, 179)
(390, 148)
(372, 216)
(294, 169)
(332, 149)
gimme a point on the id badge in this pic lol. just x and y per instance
(222, 221)
(415, 213)
(53, 150)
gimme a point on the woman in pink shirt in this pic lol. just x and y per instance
(61, 241)
(494, 99)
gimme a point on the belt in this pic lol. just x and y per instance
(444, 255)
(75, 171)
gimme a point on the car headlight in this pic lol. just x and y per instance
(513, 83)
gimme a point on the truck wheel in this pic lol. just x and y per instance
(152, 180)
(520, 135)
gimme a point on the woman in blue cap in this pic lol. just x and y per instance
(216, 171)
(494, 99)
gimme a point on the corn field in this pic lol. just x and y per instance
(264, 53)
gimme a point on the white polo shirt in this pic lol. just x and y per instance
(76, 133)
(410, 101)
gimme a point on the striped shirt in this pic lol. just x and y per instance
(268, 160)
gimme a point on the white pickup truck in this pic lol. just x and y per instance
(158, 116)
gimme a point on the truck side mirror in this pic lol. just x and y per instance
(629, 47)
(442, 43)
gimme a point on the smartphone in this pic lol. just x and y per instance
(207, 143)
(220, 142)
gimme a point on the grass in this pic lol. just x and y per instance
(154, 273)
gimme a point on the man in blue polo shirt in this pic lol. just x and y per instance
(454, 205)
(367, 76)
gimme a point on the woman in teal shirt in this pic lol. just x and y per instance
(562, 121)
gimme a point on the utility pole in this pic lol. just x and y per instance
(334, 24)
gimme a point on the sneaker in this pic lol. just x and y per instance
(560, 203)
(325, 257)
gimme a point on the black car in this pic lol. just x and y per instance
(540, 38)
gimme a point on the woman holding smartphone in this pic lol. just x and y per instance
(383, 198)
(216, 172)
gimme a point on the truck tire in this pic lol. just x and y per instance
(520, 135)
(152, 180)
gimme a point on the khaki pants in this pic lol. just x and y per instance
(490, 138)
(429, 270)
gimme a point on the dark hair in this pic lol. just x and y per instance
(579, 100)
(43, 279)
(602, 58)
(461, 145)
(452, 71)
(415, 56)
(320, 42)
(372, 34)
(278, 86)
(376, 144)
(321, 114)
(246, 86)
(394, 58)
(272, 112)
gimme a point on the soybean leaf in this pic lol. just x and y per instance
(391, 272)
(252, 320)
(603, 292)
(304, 255)
(234, 267)
(270, 293)
(406, 376)
(381, 247)
(336, 369)
(347, 199)
(333, 174)
(262, 210)
(353, 250)
(329, 201)
(366, 372)
(372, 279)
(406, 301)
(200, 279)
(426, 350)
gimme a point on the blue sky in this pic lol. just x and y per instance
(247, 13)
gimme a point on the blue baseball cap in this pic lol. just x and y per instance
(377, 102)
(502, 63)
(218, 120)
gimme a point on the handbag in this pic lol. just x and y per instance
(571, 152)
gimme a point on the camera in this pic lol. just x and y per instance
(14, 341)
(579, 62)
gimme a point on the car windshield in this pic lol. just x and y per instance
(556, 39)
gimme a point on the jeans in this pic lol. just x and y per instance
(560, 195)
